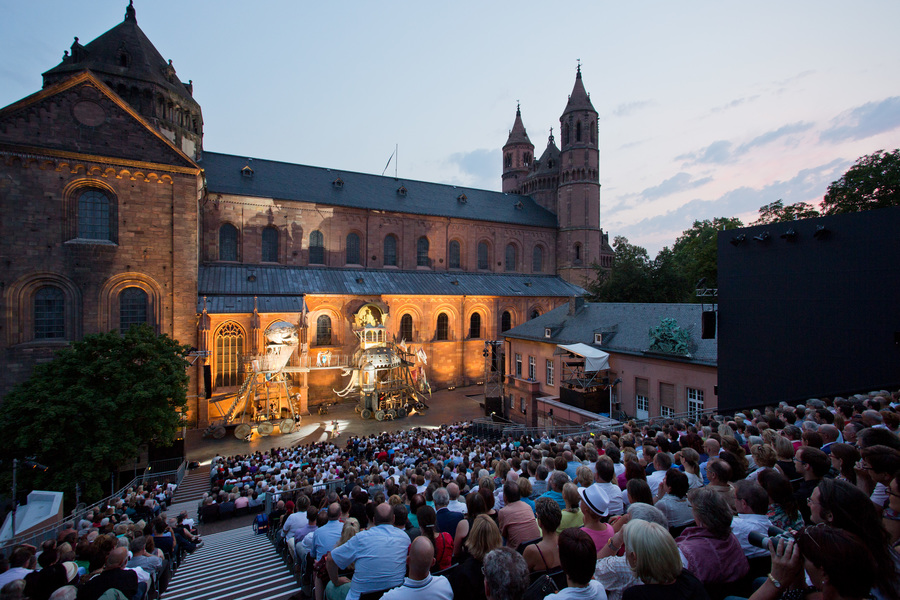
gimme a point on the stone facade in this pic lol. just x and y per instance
(111, 211)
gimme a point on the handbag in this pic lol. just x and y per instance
(543, 586)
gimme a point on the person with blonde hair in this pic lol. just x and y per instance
(690, 460)
(467, 580)
(571, 515)
(764, 457)
(653, 557)
(338, 588)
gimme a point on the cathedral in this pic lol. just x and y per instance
(113, 214)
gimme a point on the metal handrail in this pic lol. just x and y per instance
(50, 531)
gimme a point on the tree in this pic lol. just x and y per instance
(777, 212)
(630, 279)
(873, 182)
(696, 251)
(94, 406)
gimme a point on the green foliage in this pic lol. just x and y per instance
(777, 212)
(696, 253)
(873, 182)
(93, 407)
(635, 278)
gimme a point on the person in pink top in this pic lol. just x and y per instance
(241, 501)
(595, 506)
(516, 518)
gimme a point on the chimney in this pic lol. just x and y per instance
(575, 304)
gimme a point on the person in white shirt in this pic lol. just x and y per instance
(421, 583)
(662, 462)
(605, 475)
(455, 505)
(578, 558)
(752, 502)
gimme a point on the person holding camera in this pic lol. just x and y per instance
(837, 562)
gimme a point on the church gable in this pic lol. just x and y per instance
(83, 116)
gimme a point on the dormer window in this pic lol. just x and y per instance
(462, 199)
(547, 332)
(247, 172)
(598, 339)
(401, 191)
(338, 183)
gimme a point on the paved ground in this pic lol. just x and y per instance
(446, 406)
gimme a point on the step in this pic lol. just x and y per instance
(233, 565)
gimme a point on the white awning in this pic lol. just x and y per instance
(594, 360)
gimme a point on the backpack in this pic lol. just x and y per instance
(261, 523)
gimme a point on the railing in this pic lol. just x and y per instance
(151, 473)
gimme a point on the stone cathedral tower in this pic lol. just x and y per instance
(565, 181)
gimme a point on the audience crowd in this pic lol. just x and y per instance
(788, 501)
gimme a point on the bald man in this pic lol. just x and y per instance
(421, 583)
(379, 554)
(114, 575)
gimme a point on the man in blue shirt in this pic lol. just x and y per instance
(379, 554)
(325, 538)
(557, 480)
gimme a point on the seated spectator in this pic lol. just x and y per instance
(604, 474)
(655, 560)
(690, 461)
(571, 514)
(556, 482)
(784, 451)
(783, 511)
(890, 517)
(843, 460)
(143, 555)
(764, 457)
(752, 506)
(672, 500)
(637, 490)
(517, 522)
(841, 505)
(719, 474)
(880, 463)
(812, 465)
(544, 556)
(22, 561)
(420, 583)
(441, 541)
(835, 561)
(339, 587)
(577, 558)
(595, 508)
(51, 576)
(467, 580)
(114, 575)
(454, 503)
(505, 575)
(379, 555)
(446, 519)
(525, 492)
(713, 554)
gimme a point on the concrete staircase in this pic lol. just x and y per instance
(187, 495)
(233, 565)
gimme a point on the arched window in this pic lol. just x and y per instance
(593, 132)
(133, 304)
(353, 249)
(49, 314)
(95, 216)
(406, 327)
(535, 313)
(422, 259)
(578, 131)
(323, 330)
(577, 254)
(510, 257)
(507, 161)
(270, 244)
(505, 321)
(443, 327)
(565, 129)
(453, 261)
(475, 326)
(316, 248)
(483, 256)
(390, 251)
(228, 242)
(537, 260)
(229, 347)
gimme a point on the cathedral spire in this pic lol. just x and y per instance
(579, 99)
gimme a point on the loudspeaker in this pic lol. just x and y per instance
(708, 321)
(207, 380)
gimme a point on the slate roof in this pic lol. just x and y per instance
(286, 181)
(101, 56)
(228, 288)
(625, 328)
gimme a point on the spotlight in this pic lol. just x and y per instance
(789, 235)
(821, 232)
(738, 240)
(764, 236)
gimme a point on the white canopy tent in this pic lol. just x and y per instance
(594, 360)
